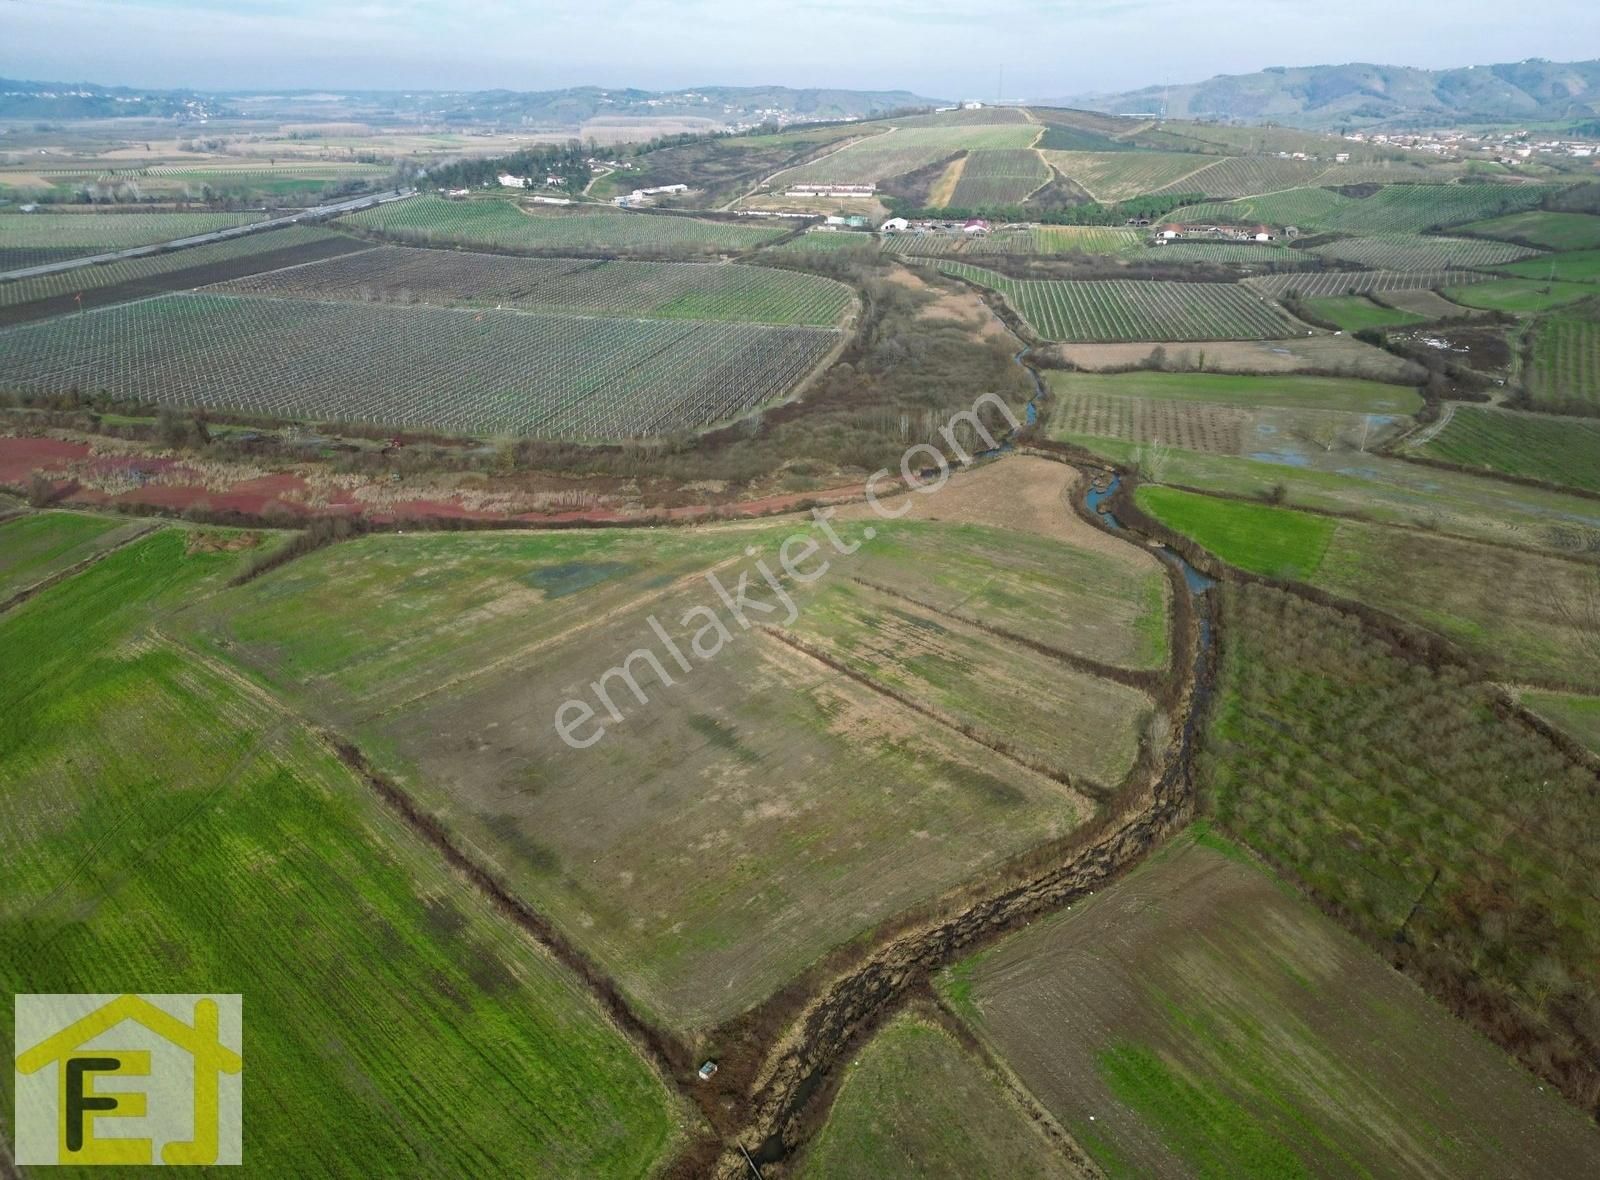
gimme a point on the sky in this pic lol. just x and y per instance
(937, 48)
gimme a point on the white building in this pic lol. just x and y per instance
(509, 181)
(895, 225)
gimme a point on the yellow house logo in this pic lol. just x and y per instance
(128, 1079)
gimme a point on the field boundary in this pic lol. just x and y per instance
(39, 587)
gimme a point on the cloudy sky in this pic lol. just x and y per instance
(940, 48)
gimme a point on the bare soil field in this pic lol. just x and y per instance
(1342, 355)
(1198, 1018)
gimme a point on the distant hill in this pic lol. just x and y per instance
(569, 108)
(1361, 95)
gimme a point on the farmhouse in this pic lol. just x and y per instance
(976, 227)
(509, 181)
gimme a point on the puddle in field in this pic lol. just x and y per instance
(1282, 458)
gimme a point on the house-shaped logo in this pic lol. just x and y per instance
(128, 1079)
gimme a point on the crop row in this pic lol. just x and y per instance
(1236, 176)
(1116, 176)
(1566, 364)
(1316, 284)
(999, 176)
(31, 239)
(500, 224)
(1393, 209)
(1416, 252)
(1560, 450)
(1192, 426)
(671, 290)
(905, 149)
(480, 372)
(1045, 239)
(1122, 309)
(125, 270)
(1224, 252)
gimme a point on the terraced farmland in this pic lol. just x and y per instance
(1120, 309)
(1416, 252)
(1311, 285)
(129, 270)
(905, 149)
(663, 290)
(503, 225)
(33, 239)
(999, 176)
(1116, 176)
(1565, 452)
(479, 372)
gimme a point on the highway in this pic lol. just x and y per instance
(303, 215)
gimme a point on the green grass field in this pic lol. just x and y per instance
(165, 829)
(1565, 452)
(1578, 266)
(1519, 296)
(1352, 313)
(32, 239)
(915, 1103)
(1381, 489)
(1578, 715)
(905, 149)
(1550, 231)
(1254, 537)
(1346, 394)
(1455, 587)
(39, 546)
(1199, 1019)
(424, 221)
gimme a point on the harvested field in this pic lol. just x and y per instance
(494, 372)
(1337, 354)
(915, 1103)
(1430, 305)
(661, 290)
(1212, 1023)
(675, 852)
(1120, 309)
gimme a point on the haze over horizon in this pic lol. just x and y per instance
(938, 49)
